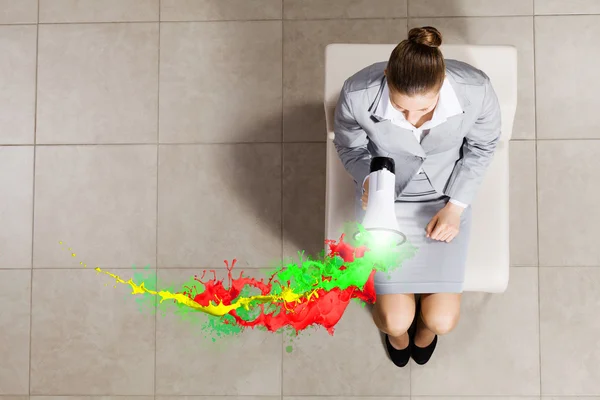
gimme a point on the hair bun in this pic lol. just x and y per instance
(427, 35)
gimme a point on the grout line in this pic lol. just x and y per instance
(537, 206)
(246, 20)
(95, 396)
(255, 143)
(566, 15)
(37, 41)
(304, 396)
(98, 22)
(282, 171)
(110, 269)
(329, 396)
(157, 198)
(260, 268)
(302, 19)
(156, 21)
(492, 16)
(164, 144)
(18, 24)
(469, 16)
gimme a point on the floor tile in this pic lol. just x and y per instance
(94, 11)
(98, 83)
(569, 309)
(303, 198)
(304, 67)
(189, 363)
(16, 207)
(523, 204)
(98, 200)
(17, 79)
(497, 336)
(14, 397)
(468, 8)
(214, 10)
(558, 41)
(104, 345)
(15, 292)
(219, 202)
(18, 11)
(515, 31)
(352, 362)
(317, 9)
(220, 82)
(567, 201)
(567, 7)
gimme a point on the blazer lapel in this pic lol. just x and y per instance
(398, 139)
(453, 125)
(438, 134)
(374, 96)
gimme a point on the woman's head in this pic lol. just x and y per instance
(416, 70)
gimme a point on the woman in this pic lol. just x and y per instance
(440, 122)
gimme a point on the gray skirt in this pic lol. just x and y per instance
(437, 267)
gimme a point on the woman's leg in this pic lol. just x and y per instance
(393, 314)
(439, 315)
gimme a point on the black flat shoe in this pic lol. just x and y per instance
(399, 357)
(421, 354)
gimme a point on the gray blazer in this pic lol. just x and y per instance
(454, 155)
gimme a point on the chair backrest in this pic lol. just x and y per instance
(498, 62)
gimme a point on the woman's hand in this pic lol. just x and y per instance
(444, 226)
(365, 196)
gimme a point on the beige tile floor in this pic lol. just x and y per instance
(176, 133)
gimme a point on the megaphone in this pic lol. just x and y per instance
(380, 216)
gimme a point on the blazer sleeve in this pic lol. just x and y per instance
(478, 149)
(351, 140)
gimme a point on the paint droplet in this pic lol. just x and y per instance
(59, 242)
(80, 262)
(289, 349)
(73, 254)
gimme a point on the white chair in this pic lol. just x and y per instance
(488, 258)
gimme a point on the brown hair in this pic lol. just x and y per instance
(416, 66)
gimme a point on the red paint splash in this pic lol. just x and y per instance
(324, 307)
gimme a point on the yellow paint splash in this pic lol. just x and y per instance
(287, 295)
(220, 309)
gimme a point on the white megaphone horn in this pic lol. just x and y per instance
(380, 217)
